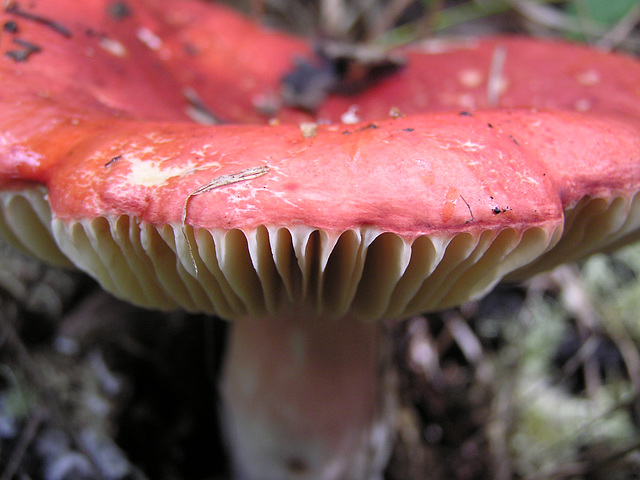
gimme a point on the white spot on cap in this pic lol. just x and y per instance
(149, 38)
(114, 47)
(309, 129)
(583, 105)
(149, 173)
(351, 115)
(20, 155)
(471, 146)
(588, 78)
(470, 78)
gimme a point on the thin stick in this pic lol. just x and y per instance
(620, 30)
(469, 207)
(494, 84)
(19, 451)
(221, 181)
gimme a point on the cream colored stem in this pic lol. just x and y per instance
(303, 399)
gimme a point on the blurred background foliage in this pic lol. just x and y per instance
(604, 23)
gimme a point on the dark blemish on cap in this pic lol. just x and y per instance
(497, 209)
(10, 26)
(113, 160)
(118, 10)
(23, 54)
(14, 9)
(368, 127)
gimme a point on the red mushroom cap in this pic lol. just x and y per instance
(214, 51)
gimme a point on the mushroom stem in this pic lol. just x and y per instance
(307, 398)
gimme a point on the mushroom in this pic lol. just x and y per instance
(306, 239)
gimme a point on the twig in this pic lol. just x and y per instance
(587, 350)
(551, 17)
(629, 351)
(385, 20)
(464, 337)
(20, 449)
(221, 181)
(499, 427)
(336, 18)
(579, 303)
(585, 467)
(470, 211)
(494, 84)
(620, 30)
